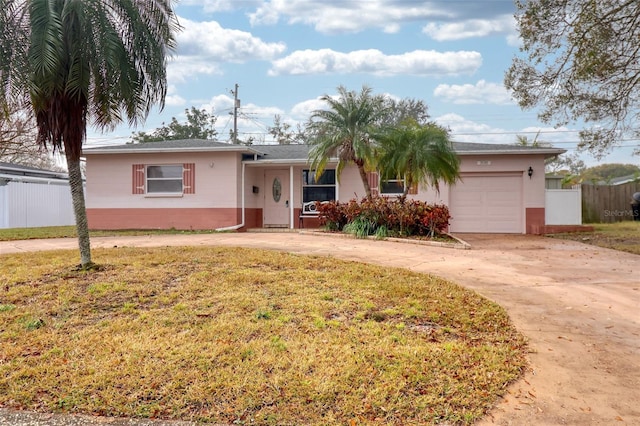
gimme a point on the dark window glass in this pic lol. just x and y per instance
(166, 179)
(309, 177)
(392, 187)
(318, 188)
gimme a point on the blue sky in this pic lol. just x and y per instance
(285, 54)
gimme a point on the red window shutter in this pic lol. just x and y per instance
(413, 189)
(137, 180)
(189, 178)
(374, 179)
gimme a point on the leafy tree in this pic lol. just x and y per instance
(81, 61)
(566, 164)
(606, 172)
(569, 163)
(18, 141)
(284, 134)
(399, 111)
(419, 154)
(580, 63)
(525, 141)
(346, 130)
(199, 125)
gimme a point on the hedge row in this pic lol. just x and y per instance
(383, 216)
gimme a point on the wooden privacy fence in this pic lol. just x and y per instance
(608, 203)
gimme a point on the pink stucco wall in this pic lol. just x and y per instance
(218, 198)
(109, 181)
(168, 218)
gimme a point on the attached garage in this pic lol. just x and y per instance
(502, 188)
(491, 203)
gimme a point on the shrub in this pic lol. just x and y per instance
(382, 216)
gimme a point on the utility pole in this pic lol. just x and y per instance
(236, 106)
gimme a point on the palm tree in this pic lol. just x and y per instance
(75, 61)
(419, 154)
(346, 131)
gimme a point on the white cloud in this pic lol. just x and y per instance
(479, 93)
(372, 61)
(203, 46)
(212, 41)
(211, 6)
(472, 28)
(463, 130)
(303, 110)
(253, 120)
(173, 99)
(347, 17)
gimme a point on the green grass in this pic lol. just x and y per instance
(623, 236)
(240, 336)
(70, 232)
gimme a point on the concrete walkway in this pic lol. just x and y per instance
(579, 305)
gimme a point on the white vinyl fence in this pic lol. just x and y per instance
(33, 203)
(563, 206)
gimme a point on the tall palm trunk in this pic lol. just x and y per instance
(365, 179)
(68, 116)
(79, 210)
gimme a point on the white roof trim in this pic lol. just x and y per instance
(153, 150)
(550, 151)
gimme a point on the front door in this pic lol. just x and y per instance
(276, 199)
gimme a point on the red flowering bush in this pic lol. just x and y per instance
(386, 216)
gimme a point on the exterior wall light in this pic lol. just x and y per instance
(530, 172)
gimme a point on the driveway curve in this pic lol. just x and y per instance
(578, 305)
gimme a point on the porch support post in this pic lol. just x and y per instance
(291, 205)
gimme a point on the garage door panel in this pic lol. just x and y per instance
(487, 204)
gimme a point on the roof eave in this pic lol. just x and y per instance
(20, 171)
(152, 150)
(284, 161)
(546, 152)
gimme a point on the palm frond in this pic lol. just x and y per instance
(420, 155)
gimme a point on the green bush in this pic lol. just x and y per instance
(383, 216)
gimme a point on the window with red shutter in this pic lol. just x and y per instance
(374, 182)
(189, 178)
(137, 178)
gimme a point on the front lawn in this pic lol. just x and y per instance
(70, 232)
(623, 236)
(240, 336)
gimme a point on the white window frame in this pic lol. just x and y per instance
(316, 185)
(157, 179)
(391, 194)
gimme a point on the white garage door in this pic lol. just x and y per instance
(487, 203)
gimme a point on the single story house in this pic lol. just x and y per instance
(32, 197)
(200, 184)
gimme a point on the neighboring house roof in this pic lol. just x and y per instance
(620, 180)
(10, 172)
(297, 152)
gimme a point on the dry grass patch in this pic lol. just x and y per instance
(12, 234)
(623, 236)
(248, 337)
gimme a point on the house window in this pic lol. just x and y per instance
(392, 187)
(318, 188)
(164, 179)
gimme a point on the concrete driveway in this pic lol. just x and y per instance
(579, 306)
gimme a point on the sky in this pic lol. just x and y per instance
(285, 54)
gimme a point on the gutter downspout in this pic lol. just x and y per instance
(236, 227)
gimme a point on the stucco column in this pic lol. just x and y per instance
(291, 206)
